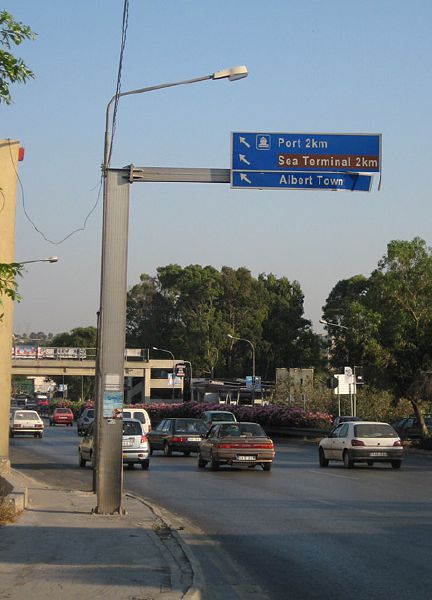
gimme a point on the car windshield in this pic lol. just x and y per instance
(215, 417)
(185, 426)
(242, 429)
(131, 428)
(26, 416)
(90, 414)
(374, 430)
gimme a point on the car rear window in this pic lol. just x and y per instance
(374, 430)
(89, 414)
(242, 429)
(131, 428)
(26, 416)
(185, 426)
(64, 410)
(215, 417)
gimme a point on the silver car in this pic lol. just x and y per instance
(135, 446)
(84, 421)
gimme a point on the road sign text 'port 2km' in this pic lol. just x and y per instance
(315, 161)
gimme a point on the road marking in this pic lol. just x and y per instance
(332, 474)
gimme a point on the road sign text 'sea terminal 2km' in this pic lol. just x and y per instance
(302, 161)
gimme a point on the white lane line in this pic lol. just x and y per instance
(331, 474)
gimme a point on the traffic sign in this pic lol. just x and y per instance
(320, 152)
(180, 370)
(302, 180)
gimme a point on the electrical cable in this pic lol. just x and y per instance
(56, 243)
(119, 74)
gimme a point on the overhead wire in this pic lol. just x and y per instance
(41, 233)
(119, 75)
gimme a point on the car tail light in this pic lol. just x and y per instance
(355, 442)
(397, 443)
(17, 425)
(143, 439)
(38, 426)
(177, 439)
(259, 446)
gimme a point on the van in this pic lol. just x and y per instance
(130, 412)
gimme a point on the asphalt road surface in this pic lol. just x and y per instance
(297, 533)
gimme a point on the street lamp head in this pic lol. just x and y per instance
(154, 348)
(52, 259)
(232, 74)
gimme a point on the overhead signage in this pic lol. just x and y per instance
(302, 160)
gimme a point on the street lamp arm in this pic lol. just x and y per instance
(333, 324)
(232, 74)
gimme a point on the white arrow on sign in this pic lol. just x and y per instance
(243, 141)
(244, 159)
(244, 177)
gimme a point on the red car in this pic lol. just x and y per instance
(61, 416)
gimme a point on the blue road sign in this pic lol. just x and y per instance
(316, 152)
(301, 180)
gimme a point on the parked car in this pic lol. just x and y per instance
(84, 420)
(130, 412)
(236, 444)
(26, 422)
(215, 416)
(61, 416)
(409, 427)
(177, 435)
(361, 441)
(135, 446)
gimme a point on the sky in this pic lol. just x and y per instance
(314, 67)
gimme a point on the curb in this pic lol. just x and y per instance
(17, 496)
(197, 591)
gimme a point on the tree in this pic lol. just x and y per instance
(12, 69)
(80, 337)
(390, 321)
(190, 311)
(8, 285)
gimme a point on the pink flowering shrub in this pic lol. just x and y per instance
(270, 415)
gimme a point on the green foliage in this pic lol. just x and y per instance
(190, 311)
(81, 337)
(389, 322)
(8, 285)
(12, 69)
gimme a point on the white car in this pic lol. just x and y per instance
(361, 441)
(25, 422)
(135, 445)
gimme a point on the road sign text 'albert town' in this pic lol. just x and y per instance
(314, 161)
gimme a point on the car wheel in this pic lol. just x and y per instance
(396, 464)
(82, 461)
(36, 435)
(323, 461)
(12, 434)
(51, 423)
(214, 464)
(348, 462)
(145, 464)
(267, 466)
(187, 453)
(131, 465)
(167, 449)
(201, 463)
(151, 452)
(41, 435)
(370, 463)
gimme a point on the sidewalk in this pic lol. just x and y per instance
(57, 548)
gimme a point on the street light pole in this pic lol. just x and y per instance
(253, 361)
(109, 386)
(173, 367)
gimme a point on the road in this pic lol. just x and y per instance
(298, 532)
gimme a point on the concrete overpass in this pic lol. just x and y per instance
(153, 373)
